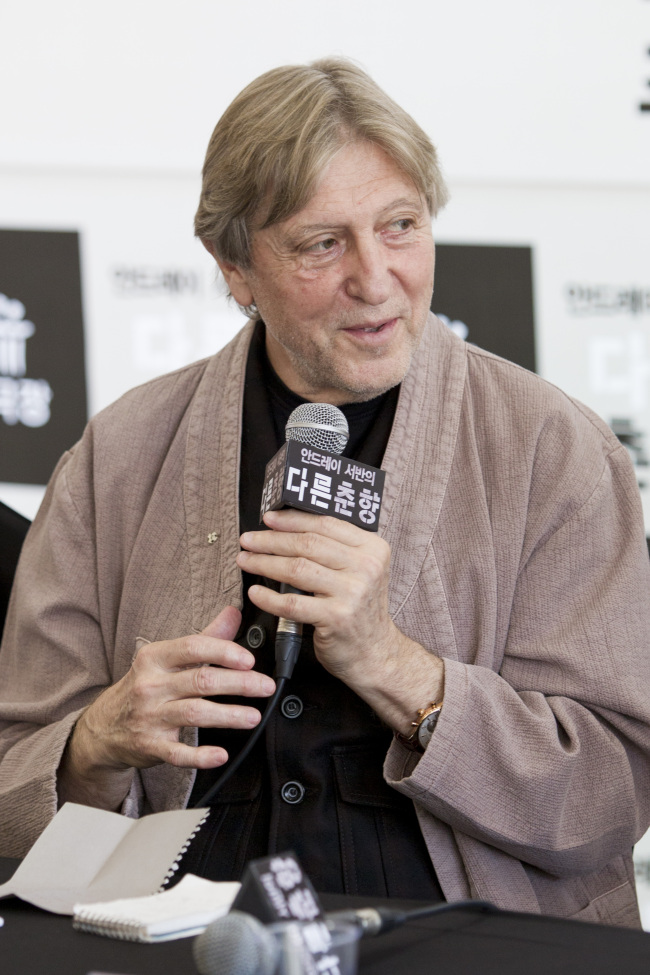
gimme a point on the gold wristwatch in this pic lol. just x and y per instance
(423, 727)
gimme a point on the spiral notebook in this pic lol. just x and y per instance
(181, 912)
(88, 855)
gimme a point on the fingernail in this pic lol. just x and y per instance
(268, 686)
(253, 718)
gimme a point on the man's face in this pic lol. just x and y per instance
(344, 286)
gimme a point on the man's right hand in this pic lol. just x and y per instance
(136, 722)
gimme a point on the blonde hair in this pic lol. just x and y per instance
(273, 142)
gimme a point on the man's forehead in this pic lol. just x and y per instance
(302, 224)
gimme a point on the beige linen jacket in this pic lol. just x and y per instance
(518, 555)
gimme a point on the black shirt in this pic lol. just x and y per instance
(314, 782)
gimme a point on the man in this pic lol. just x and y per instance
(505, 599)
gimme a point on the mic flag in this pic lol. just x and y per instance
(323, 483)
(276, 888)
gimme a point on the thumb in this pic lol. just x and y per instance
(225, 625)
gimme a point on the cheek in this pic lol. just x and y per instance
(420, 276)
(313, 293)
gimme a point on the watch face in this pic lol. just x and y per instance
(425, 731)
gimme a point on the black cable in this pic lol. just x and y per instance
(221, 781)
(288, 641)
(481, 907)
(379, 920)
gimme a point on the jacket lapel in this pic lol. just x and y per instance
(211, 482)
(418, 462)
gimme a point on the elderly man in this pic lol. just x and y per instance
(505, 600)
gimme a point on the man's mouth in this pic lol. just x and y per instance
(371, 328)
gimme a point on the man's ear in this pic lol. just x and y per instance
(237, 278)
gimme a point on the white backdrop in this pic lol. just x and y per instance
(534, 108)
(509, 90)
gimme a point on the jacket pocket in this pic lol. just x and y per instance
(618, 906)
(383, 853)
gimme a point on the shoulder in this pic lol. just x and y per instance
(529, 440)
(123, 449)
(149, 410)
(502, 407)
(562, 455)
(146, 428)
(522, 408)
(152, 413)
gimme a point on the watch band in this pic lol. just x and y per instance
(423, 727)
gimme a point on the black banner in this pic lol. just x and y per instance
(43, 406)
(42, 369)
(485, 293)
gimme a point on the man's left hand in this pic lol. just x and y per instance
(347, 570)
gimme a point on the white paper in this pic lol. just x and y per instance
(185, 910)
(86, 855)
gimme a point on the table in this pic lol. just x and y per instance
(33, 942)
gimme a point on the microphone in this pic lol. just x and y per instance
(239, 944)
(320, 426)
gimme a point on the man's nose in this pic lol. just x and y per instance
(369, 273)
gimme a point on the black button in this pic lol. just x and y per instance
(292, 792)
(291, 707)
(255, 636)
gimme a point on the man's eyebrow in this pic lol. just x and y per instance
(418, 202)
(299, 233)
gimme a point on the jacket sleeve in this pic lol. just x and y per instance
(53, 661)
(548, 759)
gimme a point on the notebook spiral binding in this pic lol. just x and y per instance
(103, 924)
(183, 850)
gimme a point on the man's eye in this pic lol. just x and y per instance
(404, 224)
(322, 246)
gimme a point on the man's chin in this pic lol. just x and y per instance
(358, 389)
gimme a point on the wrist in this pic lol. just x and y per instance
(85, 776)
(400, 679)
(88, 747)
(423, 726)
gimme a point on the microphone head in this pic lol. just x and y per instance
(319, 425)
(237, 944)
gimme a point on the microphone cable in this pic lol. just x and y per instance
(206, 799)
(380, 920)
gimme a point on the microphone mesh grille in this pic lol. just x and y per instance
(237, 944)
(319, 425)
